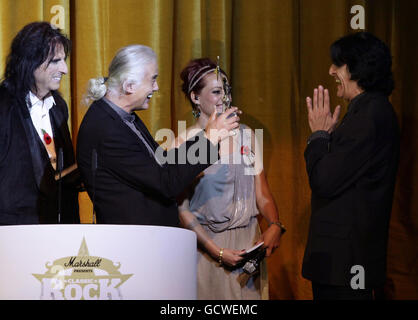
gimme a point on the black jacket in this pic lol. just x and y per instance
(130, 186)
(28, 190)
(352, 177)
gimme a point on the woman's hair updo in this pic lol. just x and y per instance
(193, 76)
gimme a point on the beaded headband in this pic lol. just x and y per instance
(193, 83)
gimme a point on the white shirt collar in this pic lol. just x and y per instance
(48, 103)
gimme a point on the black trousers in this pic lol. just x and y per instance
(328, 292)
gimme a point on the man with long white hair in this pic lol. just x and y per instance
(117, 155)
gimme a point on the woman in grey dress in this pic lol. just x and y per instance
(223, 203)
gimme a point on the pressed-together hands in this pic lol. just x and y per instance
(319, 112)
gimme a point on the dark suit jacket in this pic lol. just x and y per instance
(130, 186)
(352, 177)
(28, 190)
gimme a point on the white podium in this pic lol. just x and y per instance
(95, 262)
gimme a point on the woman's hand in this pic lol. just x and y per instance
(271, 238)
(230, 257)
(219, 127)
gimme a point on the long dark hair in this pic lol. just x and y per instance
(31, 47)
(368, 59)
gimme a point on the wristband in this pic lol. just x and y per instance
(280, 225)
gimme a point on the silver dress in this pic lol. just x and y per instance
(223, 200)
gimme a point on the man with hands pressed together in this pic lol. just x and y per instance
(352, 170)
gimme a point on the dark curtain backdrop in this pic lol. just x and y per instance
(276, 52)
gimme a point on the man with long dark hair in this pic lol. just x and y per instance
(352, 170)
(34, 133)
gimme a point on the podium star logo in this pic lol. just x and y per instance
(82, 277)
